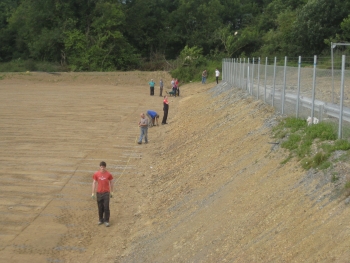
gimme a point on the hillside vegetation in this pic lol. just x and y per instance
(108, 35)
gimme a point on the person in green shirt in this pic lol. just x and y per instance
(151, 86)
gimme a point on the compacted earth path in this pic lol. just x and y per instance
(208, 187)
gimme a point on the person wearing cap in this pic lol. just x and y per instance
(151, 86)
(102, 191)
(153, 116)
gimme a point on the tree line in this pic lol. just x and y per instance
(104, 35)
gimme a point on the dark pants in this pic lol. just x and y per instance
(174, 91)
(161, 92)
(152, 91)
(217, 80)
(103, 206)
(165, 116)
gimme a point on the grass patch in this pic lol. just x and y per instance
(325, 165)
(319, 159)
(287, 159)
(299, 138)
(292, 143)
(306, 163)
(342, 145)
(347, 185)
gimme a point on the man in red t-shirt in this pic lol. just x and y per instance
(104, 182)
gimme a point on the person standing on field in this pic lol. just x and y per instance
(143, 124)
(151, 87)
(165, 109)
(161, 87)
(102, 191)
(204, 76)
(217, 74)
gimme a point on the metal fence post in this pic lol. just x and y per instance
(248, 76)
(284, 83)
(243, 73)
(274, 81)
(298, 93)
(257, 93)
(235, 69)
(313, 90)
(266, 59)
(252, 83)
(341, 97)
(240, 72)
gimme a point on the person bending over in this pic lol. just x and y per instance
(153, 116)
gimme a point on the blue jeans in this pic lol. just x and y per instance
(143, 132)
(203, 80)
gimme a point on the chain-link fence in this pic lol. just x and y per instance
(302, 90)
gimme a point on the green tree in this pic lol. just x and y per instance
(7, 36)
(195, 23)
(316, 21)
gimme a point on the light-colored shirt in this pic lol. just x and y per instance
(144, 122)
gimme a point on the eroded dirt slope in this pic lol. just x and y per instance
(217, 191)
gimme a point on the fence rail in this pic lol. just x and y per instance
(295, 91)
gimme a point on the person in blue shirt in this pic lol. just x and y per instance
(153, 116)
(151, 86)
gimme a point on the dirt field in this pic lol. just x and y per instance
(209, 186)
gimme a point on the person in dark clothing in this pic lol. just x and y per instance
(165, 109)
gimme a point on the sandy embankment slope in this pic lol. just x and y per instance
(217, 191)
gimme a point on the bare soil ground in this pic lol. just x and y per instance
(209, 187)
